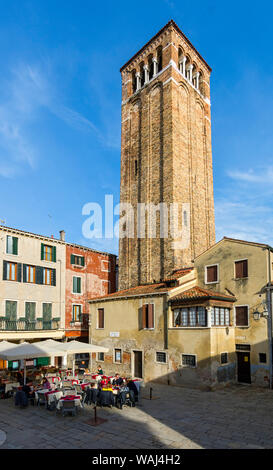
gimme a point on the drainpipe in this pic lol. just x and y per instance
(269, 318)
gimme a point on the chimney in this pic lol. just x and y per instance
(62, 235)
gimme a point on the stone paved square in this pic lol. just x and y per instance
(236, 417)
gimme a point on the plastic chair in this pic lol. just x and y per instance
(69, 407)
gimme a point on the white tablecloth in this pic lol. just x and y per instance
(77, 403)
(8, 386)
(50, 396)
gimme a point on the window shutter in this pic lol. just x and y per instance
(24, 273)
(101, 318)
(245, 268)
(15, 245)
(39, 275)
(79, 285)
(144, 316)
(42, 251)
(241, 269)
(241, 316)
(72, 259)
(151, 316)
(74, 284)
(82, 261)
(19, 272)
(53, 277)
(212, 273)
(54, 253)
(4, 270)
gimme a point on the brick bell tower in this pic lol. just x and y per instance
(165, 156)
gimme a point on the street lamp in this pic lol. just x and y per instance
(256, 315)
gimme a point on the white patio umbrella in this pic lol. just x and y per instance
(29, 351)
(77, 347)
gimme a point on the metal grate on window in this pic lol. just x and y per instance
(188, 360)
(224, 358)
(161, 357)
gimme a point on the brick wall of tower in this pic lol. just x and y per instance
(166, 130)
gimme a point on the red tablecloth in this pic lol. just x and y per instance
(72, 397)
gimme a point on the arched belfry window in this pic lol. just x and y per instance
(180, 59)
(159, 58)
(134, 81)
(201, 84)
(142, 74)
(150, 67)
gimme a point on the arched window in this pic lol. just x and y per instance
(180, 59)
(151, 67)
(201, 84)
(159, 58)
(134, 82)
(194, 76)
(142, 74)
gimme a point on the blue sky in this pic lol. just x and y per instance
(60, 96)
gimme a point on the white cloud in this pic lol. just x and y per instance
(264, 176)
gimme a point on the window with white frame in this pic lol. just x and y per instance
(220, 316)
(212, 274)
(100, 357)
(188, 360)
(190, 317)
(161, 357)
(76, 313)
(77, 285)
(117, 355)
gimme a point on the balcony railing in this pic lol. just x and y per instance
(25, 325)
(83, 321)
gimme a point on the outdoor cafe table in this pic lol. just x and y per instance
(9, 385)
(54, 378)
(49, 395)
(76, 398)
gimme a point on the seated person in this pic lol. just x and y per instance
(117, 380)
(132, 387)
(19, 378)
(99, 371)
(29, 393)
(46, 383)
(92, 394)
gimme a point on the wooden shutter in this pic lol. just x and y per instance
(54, 253)
(241, 269)
(101, 318)
(42, 251)
(39, 275)
(53, 277)
(15, 245)
(72, 259)
(144, 316)
(19, 272)
(150, 315)
(82, 260)
(4, 270)
(78, 285)
(212, 272)
(241, 316)
(24, 273)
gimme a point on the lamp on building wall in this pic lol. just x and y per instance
(256, 315)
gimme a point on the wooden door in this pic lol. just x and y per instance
(11, 314)
(243, 367)
(138, 364)
(30, 315)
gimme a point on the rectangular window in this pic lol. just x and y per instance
(241, 316)
(101, 356)
(12, 245)
(161, 357)
(76, 285)
(211, 274)
(190, 317)
(30, 274)
(242, 347)
(188, 360)
(77, 260)
(105, 265)
(101, 318)
(11, 310)
(224, 358)
(220, 316)
(11, 271)
(48, 252)
(76, 313)
(48, 278)
(241, 269)
(262, 358)
(148, 316)
(118, 355)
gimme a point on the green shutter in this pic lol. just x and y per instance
(4, 270)
(54, 253)
(72, 259)
(79, 285)
(53, 277)
(82, 261)
(74, 284)
(19, 272)
(15, 246)
(42, 251)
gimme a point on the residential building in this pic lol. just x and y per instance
(89, 273)
(243, 269)
(165, 159)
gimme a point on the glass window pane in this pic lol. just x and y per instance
(222, 316)
(201, 316)
(176, 317)
(192, 316)
(227, 319)
(217, 316)
(184, 313)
